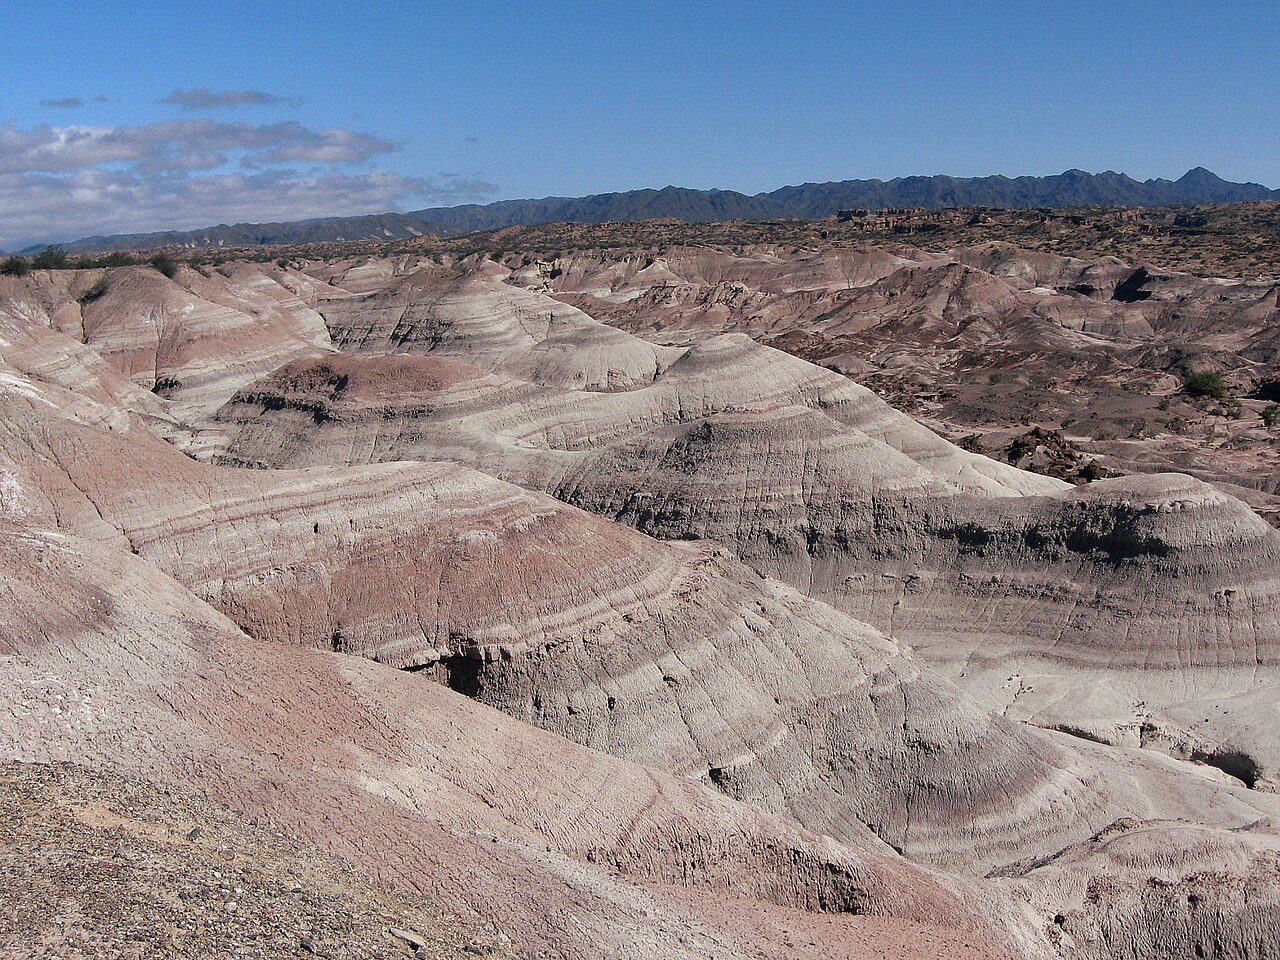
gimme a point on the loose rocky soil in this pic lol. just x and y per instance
(97, 865)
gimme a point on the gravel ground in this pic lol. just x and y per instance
(97, 865)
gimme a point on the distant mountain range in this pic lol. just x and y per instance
(807, 201)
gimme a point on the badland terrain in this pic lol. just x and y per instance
(899, 584)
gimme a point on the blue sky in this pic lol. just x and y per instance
(145, 115)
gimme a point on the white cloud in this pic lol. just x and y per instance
(42, 207)
(79, 147)
(59, 183)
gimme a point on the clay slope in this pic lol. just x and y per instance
(530, 338)
(193, 339)
(498, 327)
(115, 665)
(244, 630)
(986, 339)
(110, 663)
(673, 656)
(815, 482)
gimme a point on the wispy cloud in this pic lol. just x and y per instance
(202, 98)
(170, 145)
(63, 102)
(63, 182)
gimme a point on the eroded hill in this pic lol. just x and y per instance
(688, 648)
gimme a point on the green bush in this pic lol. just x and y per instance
(51, 258)
(15, 267)
(98, 288)
(117, 259)
(165, 264)
(1205, 383)
(1271, 414)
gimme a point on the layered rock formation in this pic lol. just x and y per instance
(986, 339)
(813, 480)
(725, 744)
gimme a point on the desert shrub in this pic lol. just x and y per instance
(97, 289)
(15, 267)
(1205, 383)
(1271, 414)
(117, 258)
(51, 258)
(165, 264)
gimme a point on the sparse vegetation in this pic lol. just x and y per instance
(165, 264)
(15, 267)
(114, 259)
(97, 289)
(1205, 383)
(1270, 415)
(51, 258)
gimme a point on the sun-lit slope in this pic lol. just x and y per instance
(108, 662)
(499, 327)
(987, 340)
(1128, 600)
(671, 654)
(496, 326)
(1167, 890)
(677, 656)
(193, 339)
